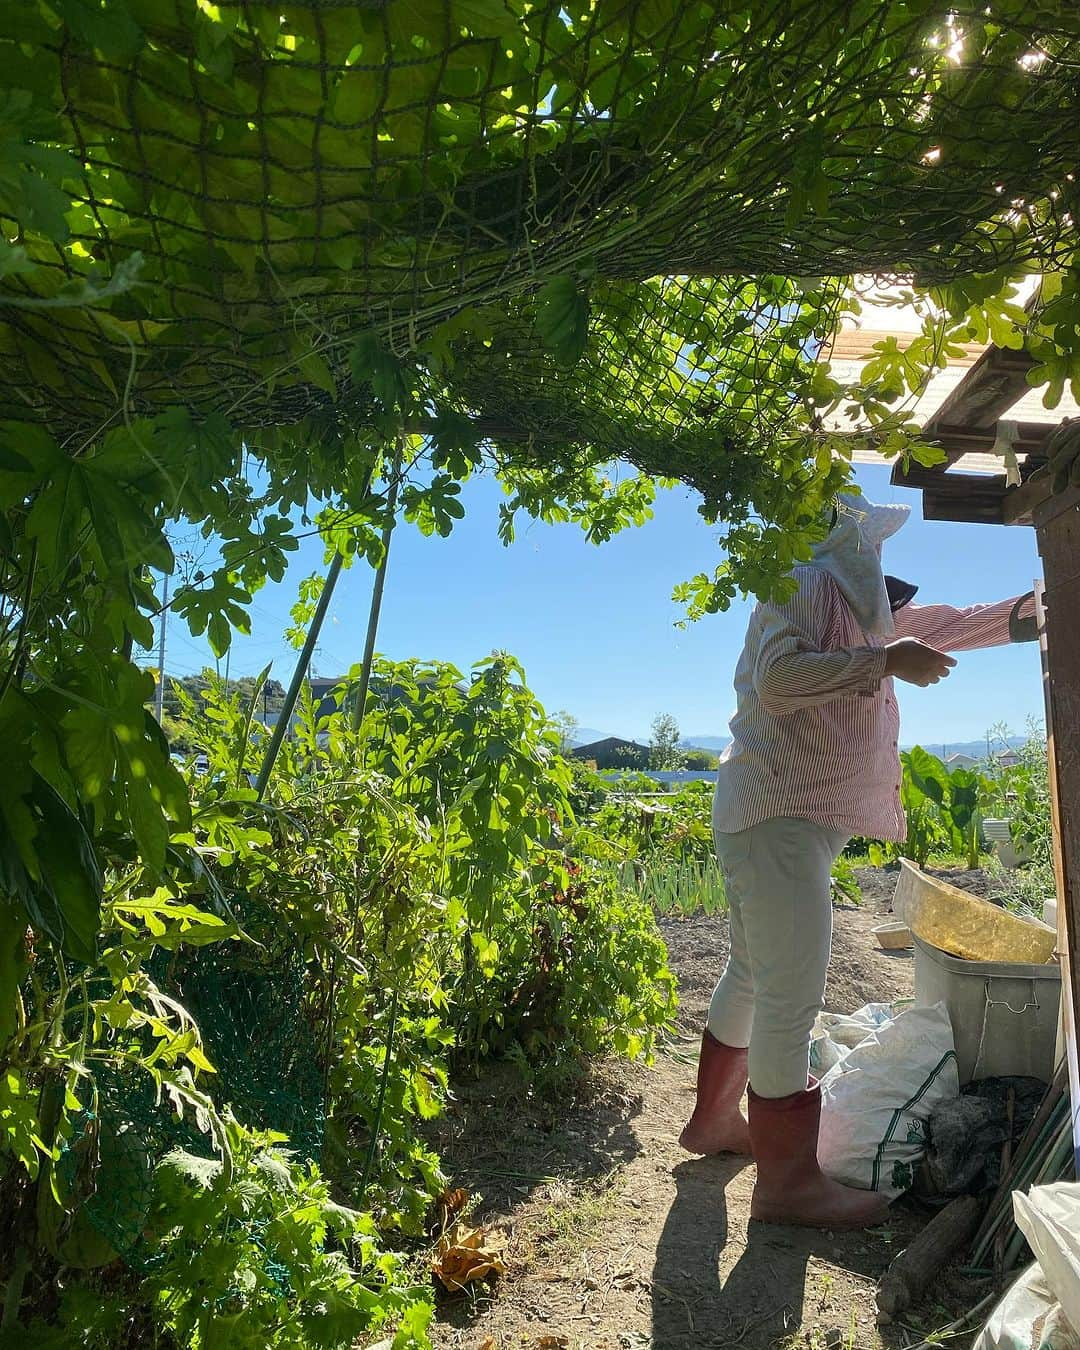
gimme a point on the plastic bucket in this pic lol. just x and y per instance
(1004, 1015)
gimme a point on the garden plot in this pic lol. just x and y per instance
(615, 1238)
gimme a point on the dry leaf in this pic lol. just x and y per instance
(553, 1342)
(487, 1344)
(465, 1255)
(451, 1204)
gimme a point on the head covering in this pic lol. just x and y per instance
(900, 592)
(851, 554)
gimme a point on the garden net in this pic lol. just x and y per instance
(263, 1033)
(495, 188)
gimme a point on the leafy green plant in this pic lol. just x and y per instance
(684, 888)
(1021, 793)
(845, 883)
(250, 1250)
(260, 1255)
(178, 356)
(956, 796)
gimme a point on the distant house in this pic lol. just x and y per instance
(960, 761)
(614, 753)
(322, 691)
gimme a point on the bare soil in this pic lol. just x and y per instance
(616, 1239)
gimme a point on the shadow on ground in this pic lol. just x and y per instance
(707, 1293)
(508, 1144)
(503, 1138)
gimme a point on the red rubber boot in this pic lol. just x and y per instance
(791, 1187)
(717, 1125)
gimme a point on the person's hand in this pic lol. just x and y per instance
(911, 660)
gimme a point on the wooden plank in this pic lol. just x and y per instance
(1059, 504)
(1058, 534)
(957, 441)
(987, 391)
(857, 344)
(950, 484)
(969, 510)
(1018, 506)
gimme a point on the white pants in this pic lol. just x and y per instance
(777, 879)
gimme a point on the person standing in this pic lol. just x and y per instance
(813, 761)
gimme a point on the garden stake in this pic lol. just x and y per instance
(376, 1127)
(299, 674)
(360, 704)
(301, 669)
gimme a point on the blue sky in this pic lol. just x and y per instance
(594, 626)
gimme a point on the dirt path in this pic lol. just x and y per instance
(617, 1240)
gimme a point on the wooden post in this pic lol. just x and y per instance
(1057, 527)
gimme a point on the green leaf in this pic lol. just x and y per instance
(66, 904)
(372, 363)
(104, 25)
(144, 813)
(13, 965)
(90, 745)
(928, 774)
(315, 368)
(55, 517)
(562, 319)
(219, 634)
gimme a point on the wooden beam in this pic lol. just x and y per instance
(1057, 523)
(957, 441)
(973, 497)
(969, 510)
(987, 391)
(1019, 505)
(949, 484)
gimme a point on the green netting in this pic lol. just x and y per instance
(256, 185)
(261, 1028)
(264, 1037)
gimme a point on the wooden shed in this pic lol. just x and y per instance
(969, 422)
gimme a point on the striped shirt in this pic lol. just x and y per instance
(816, 727)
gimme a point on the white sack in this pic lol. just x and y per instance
(836, 1033)
(1028, 1318)
(1049, 1217)
(878, 1097)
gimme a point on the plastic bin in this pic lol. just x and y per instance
(1004, 1015)
(963, 925)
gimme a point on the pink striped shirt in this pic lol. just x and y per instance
(816, 726)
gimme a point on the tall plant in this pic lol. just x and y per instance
(955, 795)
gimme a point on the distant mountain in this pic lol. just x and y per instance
(976, 749)
(705, 742)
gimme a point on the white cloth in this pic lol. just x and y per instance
(777, 879)
(851, 554)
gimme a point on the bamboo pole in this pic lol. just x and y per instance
(298, 676)
(360, 705)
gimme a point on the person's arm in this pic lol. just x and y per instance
(960, 630)
(799, 661)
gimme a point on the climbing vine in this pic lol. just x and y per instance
(266, 269)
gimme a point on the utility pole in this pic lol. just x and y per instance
(159, 697)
